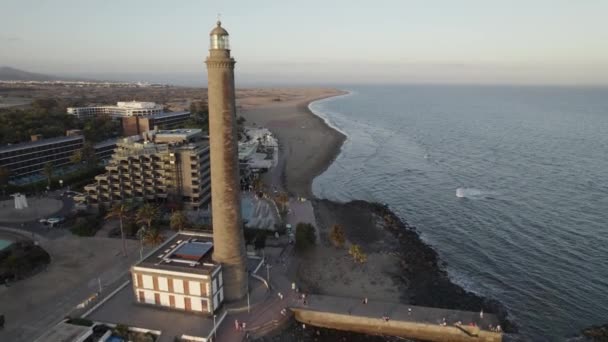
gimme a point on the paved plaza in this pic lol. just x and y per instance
(37, 208)
(78, 266)
(122, 308)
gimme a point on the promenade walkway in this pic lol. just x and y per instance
(395, 311)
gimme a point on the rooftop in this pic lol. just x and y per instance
(30, 144)
(168, 114)
(179, 131)
(188, 252)
(137, 105)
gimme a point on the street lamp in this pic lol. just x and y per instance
(140, 234)
(268, 273)
(214, 328)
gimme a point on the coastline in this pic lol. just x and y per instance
(307, 144)
(400, 267)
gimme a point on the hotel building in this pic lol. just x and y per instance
(133, 125)
(28, 158)
(170, 164)
(180, 275)
(122, 109)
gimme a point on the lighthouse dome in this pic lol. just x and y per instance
(219, 38)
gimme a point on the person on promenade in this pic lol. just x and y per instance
(481, 314)
(293, 286)
(280, 295)
(236, 325)
(365, 300)
(409, 311)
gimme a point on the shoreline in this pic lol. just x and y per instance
(307, 144)
(401, 267)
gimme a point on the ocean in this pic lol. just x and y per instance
(508, 183)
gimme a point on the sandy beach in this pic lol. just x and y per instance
(400, 267)
(307, 145)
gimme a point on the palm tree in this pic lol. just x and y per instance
(337, 235)
(121, 212)
(179, 221)
(153, 237)
(48, 172)
(146, 214)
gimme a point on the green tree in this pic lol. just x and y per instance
(88, 154)
(121, 212)
(76, 157)
(178, 221)
(282, 199)
(147, 214)
(153, 237)
(48, 172)
(305, 236)
(4, 176)
(357, 253)
(337, 235)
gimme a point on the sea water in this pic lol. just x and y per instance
(509, 184)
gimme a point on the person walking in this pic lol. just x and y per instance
(481, 314)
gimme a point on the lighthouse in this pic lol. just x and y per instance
(229, 243)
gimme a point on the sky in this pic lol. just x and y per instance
(314, 41)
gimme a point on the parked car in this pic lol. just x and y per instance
(55, 221)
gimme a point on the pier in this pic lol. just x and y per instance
(385, 318)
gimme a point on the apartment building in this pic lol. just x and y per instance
(165, 165)
(28, 158)
(180, 275)
(122, 109)
(133, 125)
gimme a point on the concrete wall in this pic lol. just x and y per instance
(422, 331)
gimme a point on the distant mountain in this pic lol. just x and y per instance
(12, 74)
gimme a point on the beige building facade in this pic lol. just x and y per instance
(168, 165)
(180, 275)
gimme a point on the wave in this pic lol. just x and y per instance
(323, 116)
(472, 193)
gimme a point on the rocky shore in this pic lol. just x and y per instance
(400, 266)
(414, 268)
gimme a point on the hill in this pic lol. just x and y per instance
(12, 74)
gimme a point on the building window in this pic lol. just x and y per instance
(148, 283)
(163, 284)
(195, 288)
(178, 285)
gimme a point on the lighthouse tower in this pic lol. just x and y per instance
(229, 243)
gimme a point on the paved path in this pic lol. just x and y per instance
(266, 314)
(34, 304)
(395, 311)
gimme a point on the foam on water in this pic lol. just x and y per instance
(540, 247)
(471, 193)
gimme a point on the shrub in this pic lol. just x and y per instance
(357, 253)
(122, 331)
(305, 236)
(337, 235)
(80, 321)
(86, 225)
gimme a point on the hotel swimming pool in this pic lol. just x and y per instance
(4, 244)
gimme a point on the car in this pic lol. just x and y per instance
(54, 221)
